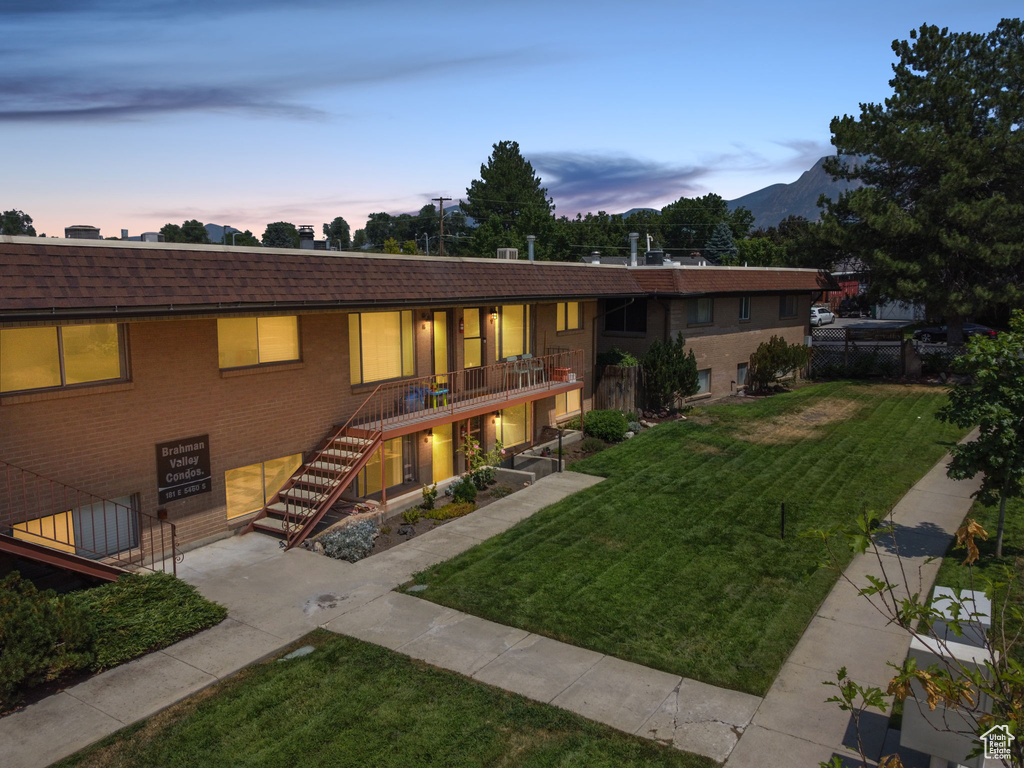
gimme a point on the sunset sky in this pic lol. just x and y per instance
(134, 113)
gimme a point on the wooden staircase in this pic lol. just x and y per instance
(305, 498)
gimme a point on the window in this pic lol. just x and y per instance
(60, 356)
(744, 307)
(704, 381)
(515, 330)
(93, 530)
(566, 403)
(787, 306)
(626, 316)
(472, 338)
(369, 478)
(442, 455)
(699, 311)
(380, 346)
(568, 316)
(741, 375)
(513, 425)
(248, 341)
(250, 488)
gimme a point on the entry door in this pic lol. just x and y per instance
(443, 454)
(441, 346)
(473, 347)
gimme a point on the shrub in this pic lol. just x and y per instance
(616, 356)
(429, 496)
(449, 511)
(573, 423)
(501, 491)
(773, 360)
(351, 543)
(464, 491)
(669, 373)
(42, 637)
(482, 477)
(411, 516)
(139, 613)
(607, 425)
(635, 427)
(592, 444)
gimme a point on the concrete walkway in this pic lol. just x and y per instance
(275, 597)
(794, 725)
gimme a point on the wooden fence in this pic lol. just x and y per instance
(618, 389)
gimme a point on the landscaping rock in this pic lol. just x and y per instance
(629, 435)
(406, 530)
(352, 542)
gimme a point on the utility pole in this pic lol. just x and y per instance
(440, 205)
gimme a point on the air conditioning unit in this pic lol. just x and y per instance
(508, 253)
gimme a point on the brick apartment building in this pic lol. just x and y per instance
(228, 388)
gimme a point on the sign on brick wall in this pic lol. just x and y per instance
(183, 468)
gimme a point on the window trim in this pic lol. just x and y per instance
(269, 363)
(703, 391)
(122, 362)
(745, 304)
(693, 311)
(562, 317)
(783, 299)
(401, 351)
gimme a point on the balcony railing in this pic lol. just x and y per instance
(426, 397)
(41, 511)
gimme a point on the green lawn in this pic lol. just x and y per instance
(675, 561)
(350, 703)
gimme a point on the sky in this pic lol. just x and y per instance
(129, 114)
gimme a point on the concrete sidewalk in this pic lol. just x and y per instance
(794, 725)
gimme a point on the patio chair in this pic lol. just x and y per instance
(521, 370)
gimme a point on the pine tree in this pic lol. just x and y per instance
(721, 248)
(941, 220)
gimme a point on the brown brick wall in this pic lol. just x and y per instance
(102, 439)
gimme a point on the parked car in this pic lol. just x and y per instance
(822, 316)
(936, 334)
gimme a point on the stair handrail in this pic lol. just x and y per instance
(134, 556)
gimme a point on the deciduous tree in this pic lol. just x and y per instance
(16, 222)
(337, 233)
(941, 220)
(281, 234)
(191, 231)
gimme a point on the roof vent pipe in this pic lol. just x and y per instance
(529, 246)
(633, 237)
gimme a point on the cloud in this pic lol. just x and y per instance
(807, 153)
(581, 182)
(56, 100)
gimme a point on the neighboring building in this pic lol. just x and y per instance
(236, 388)
(82, 232)
(723, 313)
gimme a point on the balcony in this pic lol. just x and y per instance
(402, 407)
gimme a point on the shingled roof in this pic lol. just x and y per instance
(680, 281)
(72, 277)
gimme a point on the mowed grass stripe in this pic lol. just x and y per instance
(675, 561)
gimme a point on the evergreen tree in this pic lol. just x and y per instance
(941, 220)
(721, 248)
(509, 203)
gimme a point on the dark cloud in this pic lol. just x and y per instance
(582, 182)
(806, 153)
(51, 100)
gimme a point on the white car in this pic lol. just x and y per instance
(821, 316)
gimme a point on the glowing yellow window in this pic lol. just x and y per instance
(472, 344)
(443, 466)
(40, 358)
(380, 346)
(369, 478)
(567, 402)
(568, 316)
(515, 330)
(245, 341)
(249, 488)
(513, 425)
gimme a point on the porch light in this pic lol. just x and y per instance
(494, 314)
(428, 436)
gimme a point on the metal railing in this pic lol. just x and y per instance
(42, 511)
(418, 399)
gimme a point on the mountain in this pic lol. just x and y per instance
(774, 203)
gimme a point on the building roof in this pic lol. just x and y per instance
(51, 278)
(78, 278)
(685, 280)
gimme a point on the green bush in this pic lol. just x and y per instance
(429, 496)
(411, 516)
(607, 425)
(670, 374)
(592, 444)
(616, 356)
(42, 636)
(501, 491)
(773, 360)
(482, 477)
(464, 491)
(141, 613)
(573, 423)
(449, 511)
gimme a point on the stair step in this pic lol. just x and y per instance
(340, 453)
(299, 493)
(330, 466)
(274, 524)
(353, 440)
(280, 508)
(318, 479)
